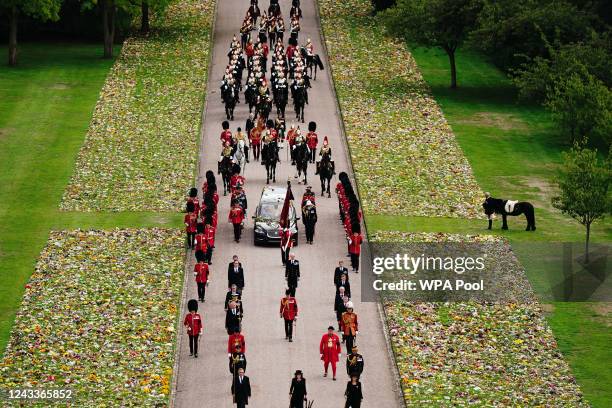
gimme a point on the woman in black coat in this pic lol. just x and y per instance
(297, 391)
(353, 393)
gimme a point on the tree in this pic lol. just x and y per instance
(582, 106)
(40, 9)
(434, 23)
(583, 188)
(146, 6)
(108, 9)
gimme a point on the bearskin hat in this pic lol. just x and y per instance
(210, 175)
(312, 126)
(293, 41)
(190, 206)
(199, 255)
(225, 125)
(270, 123)
(193, 192)
(200, 228)
(236, 169)
(356, 227)
(343, 176)
(192, 305)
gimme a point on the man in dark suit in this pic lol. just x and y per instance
(241, 389)
(233, 316)
(341, 269)
(292, 273)
(235, 276)
(344, 283)
(233, 293)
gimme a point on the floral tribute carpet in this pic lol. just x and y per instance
(140, 150)
(98, 317)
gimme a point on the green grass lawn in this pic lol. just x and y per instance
(45, 108)
(514, 150)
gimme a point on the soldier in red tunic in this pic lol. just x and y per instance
(350, 327)
(226, 134)
(329, 348)
(191, 222)
(288, 312)
(236, 217)
(193, 197)
(312, 140)
(201, 248)
(209, 235)
(354, 242)
(234, 340)
(201, 273)
(193, 323)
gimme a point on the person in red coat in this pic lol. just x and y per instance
(209, 235)
(329, 348)
(201, 273)
(354, 241)
(201, 248)
(312, 140)
(191, 223)
(236, 217)
(193, 323)
(288, 312)
(234, 340)
(226, 134)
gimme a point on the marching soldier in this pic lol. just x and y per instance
(329, 348)
(191, 223)
(209, 235)
(312, 140)
(354, 363)
(237, 361)
(308, 195)
(226, 134)
(285, 244)
(292, 273)
(288, 312)
(350, 327)
(193, 197)
(234, 340)
(201, 247)
(354, 242)
(233, 293)
(193, 323)
(236, 217)
(201, 273)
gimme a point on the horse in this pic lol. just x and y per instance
(250, 96)
(239, 154)
(224, 167)
(313, 62)
(299, 101)
(326, 170)
(269, 158)
(228, 95)
(505, 208)
(264, 106)
(301, 156)
(281, 97)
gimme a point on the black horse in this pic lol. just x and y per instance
(228, 95)
(325, 170)
(264, 106)
(299, 101)
(225, 167)
(505, 208)
(269, 158)
(301, 155)
(250, 96)
(281, 97)
(313, 62)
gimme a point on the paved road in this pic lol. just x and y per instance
(205, 382)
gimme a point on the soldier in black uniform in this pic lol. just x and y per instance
(292, 273)
(354, 363)
(237, 360)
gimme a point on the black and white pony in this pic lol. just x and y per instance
(269, 158)
(313, 62)
(301, 155)
(325, 170)
(509, 208)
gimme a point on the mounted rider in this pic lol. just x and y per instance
(326, 148)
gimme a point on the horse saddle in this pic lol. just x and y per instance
(509, 207)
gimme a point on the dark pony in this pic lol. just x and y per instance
(228, 94)
(299, 101)
(225, 169)
(269, 158)
(250, 96)
(498, 206)
(264, 106)
(281, 97)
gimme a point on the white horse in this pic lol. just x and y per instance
(239, 157)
